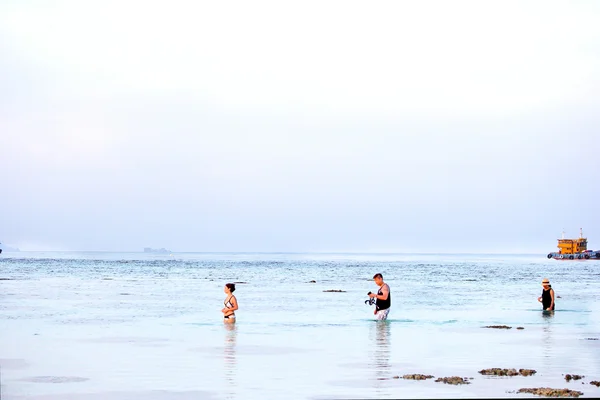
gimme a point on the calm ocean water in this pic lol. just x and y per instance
(91, 326)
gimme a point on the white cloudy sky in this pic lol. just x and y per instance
(463, 126)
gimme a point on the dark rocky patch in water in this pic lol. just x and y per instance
(417, 377)
(498, 326)
(334, 291)
(520, 327)
(312, 282)
(454, 380)
(549, 392)
(507, 372)
(595, 383)
(499, 372)
(568, 377)
(527, 372)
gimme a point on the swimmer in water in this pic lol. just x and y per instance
(230, 303)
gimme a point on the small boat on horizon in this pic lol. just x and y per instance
(574, 249)
(162, 250)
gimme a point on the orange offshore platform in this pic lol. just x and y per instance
(574, 249)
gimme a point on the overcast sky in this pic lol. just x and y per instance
(392, 126)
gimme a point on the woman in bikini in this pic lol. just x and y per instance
(231, 304)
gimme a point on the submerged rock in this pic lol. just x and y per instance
(595, 383)
(335, 291)
(453, 380)
(313, 281)
(498, 327)
(527, 372)
(520, 327)
(499, 372)
(507, 372)
(417, 377)
(568, 377)
(549, 392)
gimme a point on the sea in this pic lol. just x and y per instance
(133, 326)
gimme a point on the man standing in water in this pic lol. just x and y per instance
(383, 296)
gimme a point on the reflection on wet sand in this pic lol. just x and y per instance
(229, 358)
(380, 332)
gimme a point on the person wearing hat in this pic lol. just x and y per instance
(547, 297)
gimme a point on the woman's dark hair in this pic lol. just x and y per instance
(231, 287)
(377, 276)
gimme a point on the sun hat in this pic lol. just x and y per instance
(545, 281)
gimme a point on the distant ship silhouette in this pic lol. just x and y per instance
(161, 250)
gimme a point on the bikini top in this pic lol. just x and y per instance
(227, 302)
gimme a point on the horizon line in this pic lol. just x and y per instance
(270, 252)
